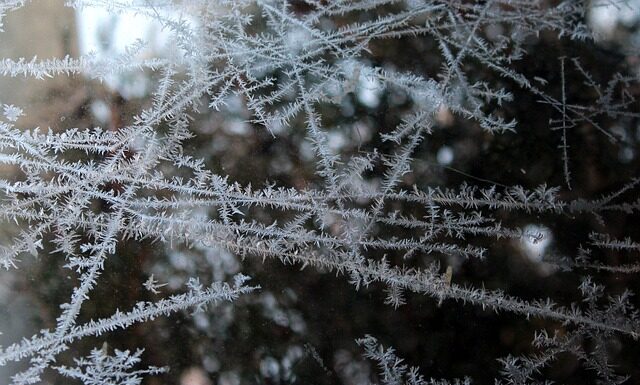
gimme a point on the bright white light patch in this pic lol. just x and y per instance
(604, 17)
(536, 241)
(106, 35)
(445, 155)
(369, 90)
(101, 111)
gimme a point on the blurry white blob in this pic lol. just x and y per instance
(297, 38)
(369, 89)
(604, 16)
(444, 155)
(269, 368)
(535, 242)
(101, 111)
(106, 35)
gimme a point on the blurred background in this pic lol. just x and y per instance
(301, 327)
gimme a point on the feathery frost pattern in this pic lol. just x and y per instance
(289, 62)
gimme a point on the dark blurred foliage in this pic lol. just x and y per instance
(306, 321)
